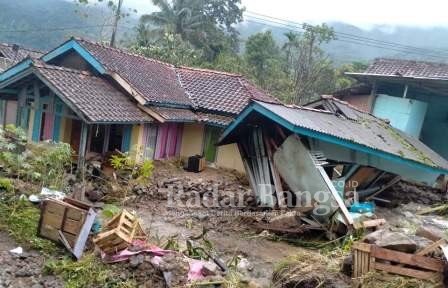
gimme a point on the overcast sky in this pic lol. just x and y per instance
(363, 13)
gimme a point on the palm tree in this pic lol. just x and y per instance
(177, 17)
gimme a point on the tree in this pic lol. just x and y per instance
(309, 67)
(343, 81)
(206, 24)
(172, 49)
(265, 62)
(110, 18)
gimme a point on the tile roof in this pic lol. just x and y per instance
(406, 68)
(185, 115)
(16, 55)
(174, 114)
(214, 119)
(156, 81)
(367, 130)
(162, 83)
(94, 97)
(219, 91)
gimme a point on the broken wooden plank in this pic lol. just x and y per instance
(409, 259)
(275, 176)
(395, 269)
(373, 223)
(431, 247)
(347, 217)
(391, 183)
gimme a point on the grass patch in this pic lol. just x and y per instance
(20, 219)
(383, 280)
(89, 271)
(306, 269)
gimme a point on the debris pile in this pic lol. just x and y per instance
(407, 192)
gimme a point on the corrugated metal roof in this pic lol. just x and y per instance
(367, 131)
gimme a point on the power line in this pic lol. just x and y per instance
(351, 38)
(352, 35)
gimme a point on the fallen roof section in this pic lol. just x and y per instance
(366, 134)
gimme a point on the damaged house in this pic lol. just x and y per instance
(409, 94)
(333, 149)
(101, 99)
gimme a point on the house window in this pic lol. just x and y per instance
(211, 138)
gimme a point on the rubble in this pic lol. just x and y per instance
(391, 240)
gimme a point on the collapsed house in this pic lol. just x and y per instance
(410, 94)
(329, 152)
(101, 99)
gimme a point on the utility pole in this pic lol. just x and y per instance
(117, 17)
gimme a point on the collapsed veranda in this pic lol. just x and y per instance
(101, 99)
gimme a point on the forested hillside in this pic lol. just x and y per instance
(295, 62)
(30, 15)
(21, 22)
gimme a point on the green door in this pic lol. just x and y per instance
(211, 138)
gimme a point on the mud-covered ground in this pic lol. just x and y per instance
(23, 270)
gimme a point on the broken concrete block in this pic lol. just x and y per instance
(429, 232)
(244, 265)
(422, 242)
(392, 240)
(209, 268)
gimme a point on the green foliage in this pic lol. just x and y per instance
(127, 167)
(49, 163)
(343, 81)
(6, 184)
(45, 163)
(206, 25)
(87, 272)
(110, 210)
(169, 48)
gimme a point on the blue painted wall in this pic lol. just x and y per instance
(405, 114)
(435, 122)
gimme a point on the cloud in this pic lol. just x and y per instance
(429, 13)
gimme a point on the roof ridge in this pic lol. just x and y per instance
(346, 103)
(210, 71)
(23, 48)
(245, 82)
(43, 65)
(124, 51)
(408, 61)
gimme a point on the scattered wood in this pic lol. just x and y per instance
(368, 257)
(299, 230)
(431, 248)
(281, 201)
(119, 233)
(383, 188)
(67, 222)
(438, 209)
(373, 223)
